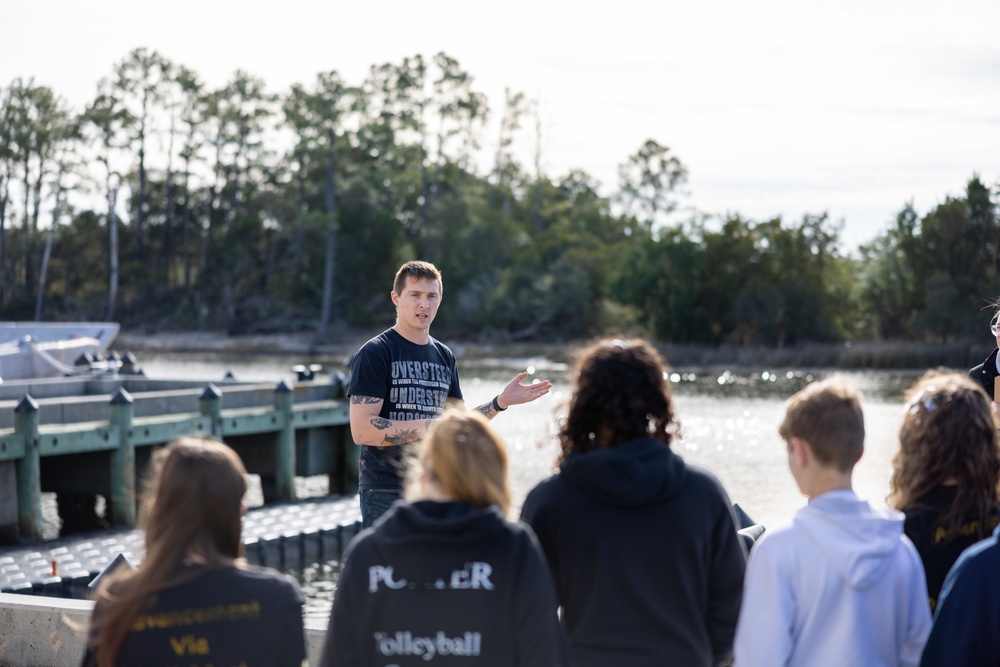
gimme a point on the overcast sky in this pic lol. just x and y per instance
(776, 107)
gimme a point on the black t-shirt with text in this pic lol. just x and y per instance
(937, 552)
(414, 382)
(223, 618)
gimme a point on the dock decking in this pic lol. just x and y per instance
(284, 535)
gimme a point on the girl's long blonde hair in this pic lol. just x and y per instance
(191, 509)
(464, 455)
(948, 436)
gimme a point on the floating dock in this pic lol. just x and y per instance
(285, 536)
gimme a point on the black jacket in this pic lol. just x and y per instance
(647, 561)
(444, 583)
(985, 373)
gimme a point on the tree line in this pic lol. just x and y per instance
(165, 203)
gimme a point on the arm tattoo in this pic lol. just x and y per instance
(381, 423)
(487, 410)
(364, 400)
(403, 437)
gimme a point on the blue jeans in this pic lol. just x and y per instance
(375, 502)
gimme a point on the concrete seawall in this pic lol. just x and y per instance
(40, 631)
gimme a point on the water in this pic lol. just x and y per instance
(729, 424)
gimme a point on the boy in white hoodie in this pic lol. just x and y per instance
(841, 584)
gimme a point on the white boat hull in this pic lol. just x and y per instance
(50, 349)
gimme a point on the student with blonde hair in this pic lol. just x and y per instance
(946, 472)
(446, 574)
(193, 600)
(841, 584)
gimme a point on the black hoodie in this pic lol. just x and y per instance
(443, 583)
(986, 373)
(647, 561)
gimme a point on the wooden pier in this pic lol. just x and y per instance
(81, 438)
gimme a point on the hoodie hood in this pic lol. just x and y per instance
(454, 522)
(858, 540)
(636, 473)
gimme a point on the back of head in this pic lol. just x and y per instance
(948, 437)
(416, 270)
(466, 458)
(828, 416)
(191, 509)
(620, 393)
(194, 499)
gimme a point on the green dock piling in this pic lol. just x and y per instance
(210, 404)
(29, 470)
(123, 493)
(284, 455)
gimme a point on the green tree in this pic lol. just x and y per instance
(104, 126)
(315, 116)
(140, 80)
(64, 141)
(237, 245)
(8, 159)
(957, 251)
(191, 110)
(890, 290)
(665, 281)
(649, 181)
(36, 120)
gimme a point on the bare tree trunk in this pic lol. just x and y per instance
(47, 255)
(331, 243)
(26, 242)
(536, 190)
(37, 194)
(140, 220)
(425, 192)
(186, 228)
(168, 221)
(113, 252)
(4, 199)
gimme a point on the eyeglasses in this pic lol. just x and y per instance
(995, 324)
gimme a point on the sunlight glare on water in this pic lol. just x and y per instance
(728, 424)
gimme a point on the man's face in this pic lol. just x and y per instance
(418, 303)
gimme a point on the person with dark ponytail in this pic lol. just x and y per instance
(446, 574)
(193, 600)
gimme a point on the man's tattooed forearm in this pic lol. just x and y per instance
(381, 423)
(403, 437)
(487, 410)
(364, 400)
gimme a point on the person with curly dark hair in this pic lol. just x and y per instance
(946, 472)
(644, 548)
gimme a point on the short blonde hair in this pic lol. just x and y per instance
(828, 416)
(464, 455)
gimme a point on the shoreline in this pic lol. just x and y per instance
(303, 344)
(871, 355)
